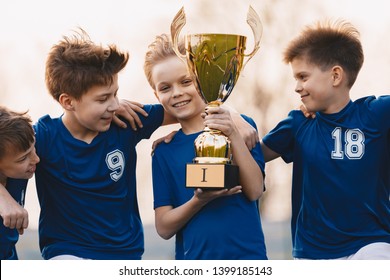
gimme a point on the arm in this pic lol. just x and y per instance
(170, 220)
(268, 153)
(248, 132)
(251, 176)
(129, 109)
(14, 215)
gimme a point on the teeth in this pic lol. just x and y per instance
(181, 104)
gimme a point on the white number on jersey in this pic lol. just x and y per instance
(115, 162)
(353, 146)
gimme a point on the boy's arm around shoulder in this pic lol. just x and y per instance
(130, 111)
(281, 139)
(268, 153)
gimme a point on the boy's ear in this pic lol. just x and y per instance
(66, 101)
(337, 75)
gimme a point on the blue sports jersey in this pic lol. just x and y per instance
(87, 192)
(341, 182)
(226, 228)
(9, 237)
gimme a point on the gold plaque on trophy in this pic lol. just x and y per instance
(215, 62)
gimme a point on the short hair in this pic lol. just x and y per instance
(76, 64)
(16, 132)
(159, 50)
(326, 44)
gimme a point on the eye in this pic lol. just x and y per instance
(22, 159)
(102, 99)
(164, 88)
(187, 82)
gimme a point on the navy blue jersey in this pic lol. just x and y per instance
(341, 181)
(226, 228)
(9, 237)
(87, 192)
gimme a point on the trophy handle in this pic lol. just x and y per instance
(177, 24)
(254, 22)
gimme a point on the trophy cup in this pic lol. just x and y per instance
(215, 62)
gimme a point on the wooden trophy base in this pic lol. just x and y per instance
(212, 176)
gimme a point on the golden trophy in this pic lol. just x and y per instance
(215, 62)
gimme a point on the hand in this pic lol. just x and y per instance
(306, 113)
(247, 132)
(128, 110)
(205, 196)
(228, 122)
(167, 138)
(220, 119)
(14, 215)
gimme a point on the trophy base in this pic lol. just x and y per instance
(212, 176)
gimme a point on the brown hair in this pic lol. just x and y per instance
(16, 132)
(326, 44)
(158, 51)
(76, 64)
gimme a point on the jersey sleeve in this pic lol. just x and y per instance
(161, 189)
(151, 122)
(281, 139)
(42, 135)
(380, 109)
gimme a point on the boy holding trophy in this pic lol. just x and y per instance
(208, 224)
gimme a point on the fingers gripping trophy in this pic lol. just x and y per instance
(215, 62)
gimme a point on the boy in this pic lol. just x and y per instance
(17, 164)
(222, 224)
(341, 182)
(86, 181)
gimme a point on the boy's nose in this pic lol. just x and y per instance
(298, 88)
(36, 158)
(114, 105)
(177, 91)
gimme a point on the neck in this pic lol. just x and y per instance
(79, 132)
(3, 179)
(192, 126)
(338, 106)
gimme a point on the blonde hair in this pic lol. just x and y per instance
(158, 51)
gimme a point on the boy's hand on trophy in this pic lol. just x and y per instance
(247, 132)
(220, 119)
(128, 110)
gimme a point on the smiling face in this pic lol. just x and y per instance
(176, 91)
(320, 90)
(93, 113)
(19, 164)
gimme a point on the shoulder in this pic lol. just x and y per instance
(372, 100)
(377, 106)
(293, 121)
(45, 122)
(179, 144)
(155, 115)
(156, 109)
